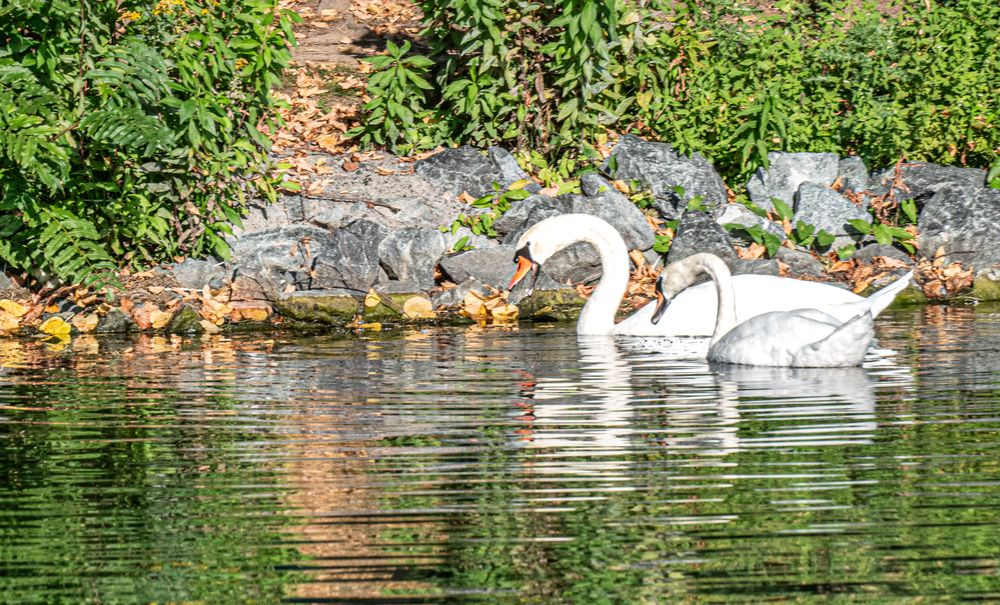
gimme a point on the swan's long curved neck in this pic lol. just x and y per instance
(714, 267)
(598, 315)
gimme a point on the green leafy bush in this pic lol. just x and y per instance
(730, 80)
(129, 131)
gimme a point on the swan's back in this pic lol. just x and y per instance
(799, 338)
(692, 312)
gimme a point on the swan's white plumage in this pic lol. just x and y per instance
(806, 337)
(693, 311)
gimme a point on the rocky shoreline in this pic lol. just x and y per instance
(373, 240)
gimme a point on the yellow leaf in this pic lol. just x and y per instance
(14, 308)
(55, 326)
(209, 327)
(376, 326)
(521, 184)
(85, 322)
(159, 319)
(505, 313)
(8, 323)
(418, 307)
(239, 314)
(372, 299)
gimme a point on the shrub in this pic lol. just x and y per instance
(129, 131)
(732, 81)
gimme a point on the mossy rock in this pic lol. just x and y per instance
(115, 322)
(185, 321)
(985, 289)
(551, 305)
(317, 307)
(911, 295)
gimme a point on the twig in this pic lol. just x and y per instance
(350, 200)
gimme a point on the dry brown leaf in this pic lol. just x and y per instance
(887, 262)
(159, 319)
(472, 305)
(350, 166)
(85, 322)
(418, 307)
(752, 251)
(620, 185)
(382, 170)
(466, 197)
(637, 258)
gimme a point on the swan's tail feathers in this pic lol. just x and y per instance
(884, 297)
(844, 347)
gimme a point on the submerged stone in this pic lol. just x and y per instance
(115, 321)
(318, 306)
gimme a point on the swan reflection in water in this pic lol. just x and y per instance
(627, 395)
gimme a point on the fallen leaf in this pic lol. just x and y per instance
(418, 307)
(376, 326)
(8, 323)
(472, 305)
(350, 166)
(506, 313)
(55, 326)
(15, 309)
(888, 262)
(620, 185)
(159, 319)
(156, 289)
(637, 258)
(372, 299)
(466, 197)
(209, 327)
(382, 170)
(52, 309)
(85, 322)
(249, 313)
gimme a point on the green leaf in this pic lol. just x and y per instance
(860, 225)
(782, 209)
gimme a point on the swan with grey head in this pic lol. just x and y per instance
(691, 312)
(802, 338)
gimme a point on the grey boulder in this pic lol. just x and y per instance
(827, 210)
(411, 254)
(524, 213)
(786, 172)
(273, 259)
(663, 169)
(469, 169)
(921, 180)
(602, 200)
(963, 220)
(698, 232)
(351, 261)
(853, 173)
(800, 263)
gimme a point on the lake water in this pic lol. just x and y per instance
(463, 465)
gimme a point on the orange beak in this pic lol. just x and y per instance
(524, 265)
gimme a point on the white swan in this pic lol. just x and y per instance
(693, 311)
(803, 338)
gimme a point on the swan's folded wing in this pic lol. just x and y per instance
(844, 347)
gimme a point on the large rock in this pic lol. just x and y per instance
(800, 263)
(470, 170)
(266, 262)
(527, 212)
(698, 232)
(786, 172)
(922, 180)
(963, 220)
(602, 200)
(868, 253)
(661, 168)
(492, 266)
(827, 210)
(853, 173)
(738, 214)
(579, 263)
(196, 273)
(411, 254)
(351, 261)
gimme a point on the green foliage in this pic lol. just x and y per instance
(129, 131)
(885, 234)
(758, 234)
(492, 206)
(722, 78)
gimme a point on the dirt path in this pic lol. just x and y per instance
(340, 32)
